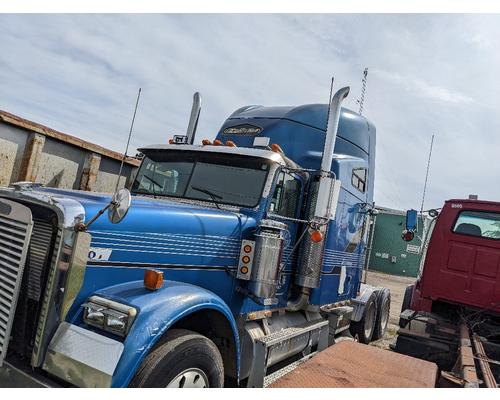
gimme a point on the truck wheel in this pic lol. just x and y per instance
(383, 310)
(184, 359)
(364, 328)
(406, 302)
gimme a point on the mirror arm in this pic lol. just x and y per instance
(82, 226)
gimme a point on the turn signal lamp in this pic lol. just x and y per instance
(316, 236)
(276, 148)
(217, 142)
(230, 143)
(153, 279)
(206, 142)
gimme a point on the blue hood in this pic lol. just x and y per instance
(163, 231)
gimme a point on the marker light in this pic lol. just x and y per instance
(245, 259)
(316, 236)
(230, 143)
(153, 280)
(217, 142)
(247, 248)
(276, 148)
(206, 142)
(170, 141)
(244, 269)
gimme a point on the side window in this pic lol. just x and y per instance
(478, 223)
(286, 196)
(358, 179)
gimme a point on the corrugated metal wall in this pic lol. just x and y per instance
(36, 153)
(391, 254)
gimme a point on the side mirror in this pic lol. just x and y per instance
(120, 203)
(411, 220)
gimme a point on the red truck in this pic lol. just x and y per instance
(451, 314)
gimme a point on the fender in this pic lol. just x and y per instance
(158, 311)
(359, 303)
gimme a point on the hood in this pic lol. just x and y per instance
(160, 231)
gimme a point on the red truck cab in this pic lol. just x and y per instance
(461, 258)
(451, 314)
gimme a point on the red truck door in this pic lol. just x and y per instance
(469, 271)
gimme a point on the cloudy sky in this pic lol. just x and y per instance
(427, 74)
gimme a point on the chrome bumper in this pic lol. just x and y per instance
(82, 357)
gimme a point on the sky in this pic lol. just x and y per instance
(428, 74)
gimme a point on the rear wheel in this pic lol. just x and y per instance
(184, 359)
(364, 328)
(383, 312)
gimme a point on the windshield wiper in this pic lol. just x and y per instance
(212, 195)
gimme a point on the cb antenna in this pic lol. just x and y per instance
(427, 175)
(128, 141)
(363, 91)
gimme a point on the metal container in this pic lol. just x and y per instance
(268, 249)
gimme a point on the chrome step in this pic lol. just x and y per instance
(263, 344)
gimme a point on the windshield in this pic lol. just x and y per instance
(214, 177)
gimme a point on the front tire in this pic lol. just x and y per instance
(183, 359)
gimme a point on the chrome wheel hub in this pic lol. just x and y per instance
(190, 378)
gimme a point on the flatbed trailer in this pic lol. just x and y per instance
(350, 364)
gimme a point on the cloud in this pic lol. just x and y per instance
(428, 74)
(420, 88)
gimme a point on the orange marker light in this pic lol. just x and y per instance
(244, 270)
(206, 142)
(276, 148)
(245, 259)
(230, 143)
(247, 248)
(316, 236)
(153, 280)
(217, 142)
(171, 141)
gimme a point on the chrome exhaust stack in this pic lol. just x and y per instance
(194, 118)
(322, 210)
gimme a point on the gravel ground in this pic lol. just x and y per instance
(397, 286)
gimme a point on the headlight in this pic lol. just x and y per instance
(109, 315)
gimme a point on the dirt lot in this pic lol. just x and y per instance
(397, 286)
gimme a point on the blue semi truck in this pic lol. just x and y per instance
(225, 261)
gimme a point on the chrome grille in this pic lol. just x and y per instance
(38, 252)
(15, 231)
(44, 312)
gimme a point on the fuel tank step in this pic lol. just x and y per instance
(318, 331)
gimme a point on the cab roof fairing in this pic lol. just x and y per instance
(243, 151)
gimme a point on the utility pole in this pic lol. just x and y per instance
(363, 91)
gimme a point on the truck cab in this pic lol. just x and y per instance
(227, 259)
(456, 297)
